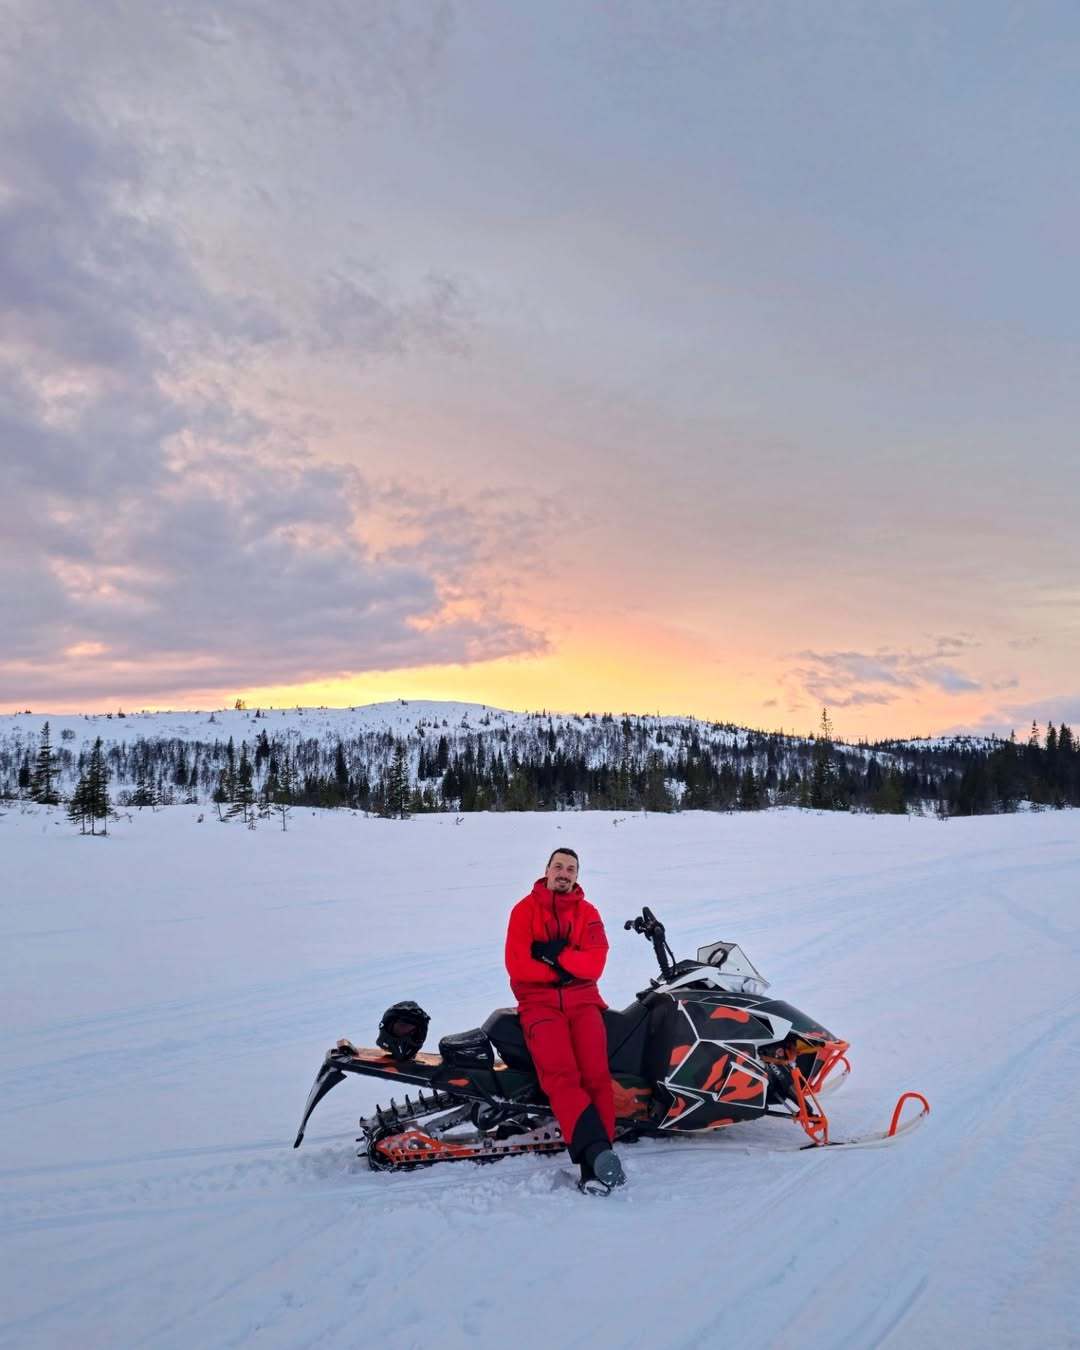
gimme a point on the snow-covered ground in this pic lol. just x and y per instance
(168, 994)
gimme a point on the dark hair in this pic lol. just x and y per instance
(564, 850)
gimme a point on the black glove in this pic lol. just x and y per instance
(549, 952)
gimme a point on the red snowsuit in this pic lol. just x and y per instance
(562, 1023)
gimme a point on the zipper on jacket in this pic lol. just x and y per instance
(558, 934)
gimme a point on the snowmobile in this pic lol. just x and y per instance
(702, 1048)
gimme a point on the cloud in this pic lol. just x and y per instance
(949, 679)
(1018, 717)
(162, 536)
(954, 644)
(849, 679)
(359, 313)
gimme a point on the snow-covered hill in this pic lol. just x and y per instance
(181, 756)
(169, 993)
(399, 717)
(496, 759)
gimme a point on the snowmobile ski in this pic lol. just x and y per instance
(882, 1138)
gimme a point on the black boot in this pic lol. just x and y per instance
(601, 1170)
(591, 1148)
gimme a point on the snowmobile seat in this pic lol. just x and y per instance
(626, 1035)
(503, 1029)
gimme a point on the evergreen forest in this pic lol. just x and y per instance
(529, 762)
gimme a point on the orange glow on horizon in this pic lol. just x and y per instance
(626, 664)
(604, 675)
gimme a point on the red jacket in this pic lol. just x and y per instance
(540, 917)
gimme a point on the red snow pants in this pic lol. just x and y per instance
(569, 1049)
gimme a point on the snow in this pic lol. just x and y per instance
(406, 718)
(400, 717)
(958, 743)
(169, 992)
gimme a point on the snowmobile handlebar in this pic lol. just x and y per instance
(650, 927)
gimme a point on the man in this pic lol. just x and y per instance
(556, 948)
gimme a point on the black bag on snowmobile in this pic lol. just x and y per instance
(403, 1030)
(467, 1050)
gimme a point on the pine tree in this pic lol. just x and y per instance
(749, 791)
(221, 792)
(43, 778)
(823, 778)
(180, 769)
(521, 794)
(78, 811)
(271, 784)
(145, 793)
(889, 796)
(243, 799)
(1051, 774)
(397, 783)
(341, 773)
(655, 796)
(228, 774)
(280, 789)
(98, 805)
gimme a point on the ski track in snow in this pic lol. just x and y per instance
(172, 990)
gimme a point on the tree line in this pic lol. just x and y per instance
(585, 763)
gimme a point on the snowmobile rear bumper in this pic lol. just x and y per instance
(345, 1058)
(329, 1076)
(422, 1070)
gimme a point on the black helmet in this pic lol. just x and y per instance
(403, 1029)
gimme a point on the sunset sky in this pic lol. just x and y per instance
(660, 355)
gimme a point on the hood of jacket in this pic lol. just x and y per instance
(561, 908)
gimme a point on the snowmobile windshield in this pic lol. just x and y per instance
(731, 959)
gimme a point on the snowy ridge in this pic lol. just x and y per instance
(399, 717)
(469, 757)
(956, 742)
(370, 729)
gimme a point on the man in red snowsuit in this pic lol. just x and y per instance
(556, 948)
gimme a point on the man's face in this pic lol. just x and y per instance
(561, 873)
